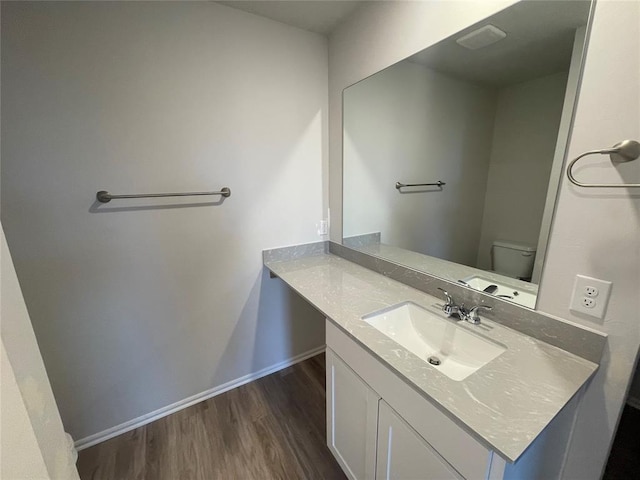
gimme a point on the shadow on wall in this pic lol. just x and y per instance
(283, 324)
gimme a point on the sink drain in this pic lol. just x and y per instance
(434, 360)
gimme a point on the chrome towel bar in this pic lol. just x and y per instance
(437, 184)
(105, 197)
(625, 151)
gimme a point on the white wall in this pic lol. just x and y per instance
(594, 232)
(524, 139)
(21, 456)
(32, 442)
(403, 124)
(137, 304)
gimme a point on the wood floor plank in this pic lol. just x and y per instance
(273, 428)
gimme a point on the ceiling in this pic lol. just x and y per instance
(539, 42)
(539, 38)
(320, 16)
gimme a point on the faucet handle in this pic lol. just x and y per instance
(473, 313)
(450, 308)
(446, 294)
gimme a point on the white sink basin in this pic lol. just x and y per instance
(428, 335)
(515, 295)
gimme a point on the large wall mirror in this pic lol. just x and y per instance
(452, 157)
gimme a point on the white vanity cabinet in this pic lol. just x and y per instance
(368, 438)
(403, 454)
(352, 416)
(378, 427)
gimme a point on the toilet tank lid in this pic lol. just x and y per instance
(514, 245)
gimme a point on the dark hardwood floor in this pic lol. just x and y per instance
(273, 428)
(624, 459)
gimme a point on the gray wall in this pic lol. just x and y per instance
(524, 139)
(404, 124)
(140, 304)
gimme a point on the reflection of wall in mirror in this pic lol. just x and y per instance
(524, 140)
(493, 148)
(411, 124)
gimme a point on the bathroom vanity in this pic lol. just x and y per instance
(392, 414)
(390, 431)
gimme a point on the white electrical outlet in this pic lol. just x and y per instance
(590, 296)
(323, 227)
(590, 291)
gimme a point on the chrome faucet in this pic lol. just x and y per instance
(471, 315)
(451, 309)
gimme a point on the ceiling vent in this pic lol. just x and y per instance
(481, 37)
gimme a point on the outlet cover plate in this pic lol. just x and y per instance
(323, 227)
(600, 301)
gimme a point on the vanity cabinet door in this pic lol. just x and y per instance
(352, 416)
(403, 454)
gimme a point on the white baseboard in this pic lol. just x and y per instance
(99, 437)
(633, 402)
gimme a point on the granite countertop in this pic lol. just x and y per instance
(505, 404)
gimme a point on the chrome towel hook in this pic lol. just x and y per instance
(625, 151)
